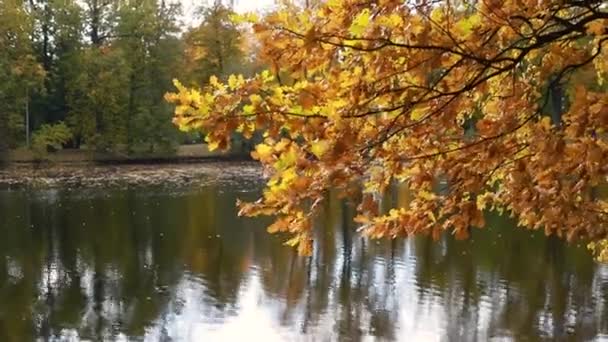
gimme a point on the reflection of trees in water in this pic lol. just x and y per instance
(501, 283)
(505, 283)
(346, 290)
(87, 271)
(117, 262)
(105, 266)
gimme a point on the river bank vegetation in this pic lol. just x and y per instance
(475, 105)
(92, 74)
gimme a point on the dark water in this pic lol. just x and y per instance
(176, 264)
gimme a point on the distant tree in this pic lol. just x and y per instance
(68, 28)
(147, 32)
(20, 73)
(96, 105)
(103, 66)
(100, 66)
(100, 19)
(115, 82)
(213, 47)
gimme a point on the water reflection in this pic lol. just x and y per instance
(150, 264)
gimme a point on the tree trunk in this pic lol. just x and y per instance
(131, 112)
(3, 137)
(46, 32)
(557, 103)
(95, 9)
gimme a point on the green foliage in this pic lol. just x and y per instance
(19, 70)
(95, 101)
(15, 124)
(50, 138)
(103, 67)
(152, 57)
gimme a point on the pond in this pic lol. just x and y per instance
(173, 262)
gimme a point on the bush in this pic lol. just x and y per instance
(50, 138)
(15, 130)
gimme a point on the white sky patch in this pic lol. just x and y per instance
(252, 5)
(190, 7)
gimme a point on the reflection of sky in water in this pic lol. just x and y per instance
(173, 264)
(193, 314)
(257, 315)
(196, 320)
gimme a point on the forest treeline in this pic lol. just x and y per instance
(92, 74)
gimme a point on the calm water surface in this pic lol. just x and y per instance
(174, 263)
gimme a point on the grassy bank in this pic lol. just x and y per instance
(184, 153)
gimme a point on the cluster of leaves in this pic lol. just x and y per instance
(503, 101)
(599, 249)
(50, 138)
(218, 47)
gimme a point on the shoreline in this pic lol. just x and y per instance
(185, 154)
(90, 175)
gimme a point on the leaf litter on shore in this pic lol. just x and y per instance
(100, 176)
